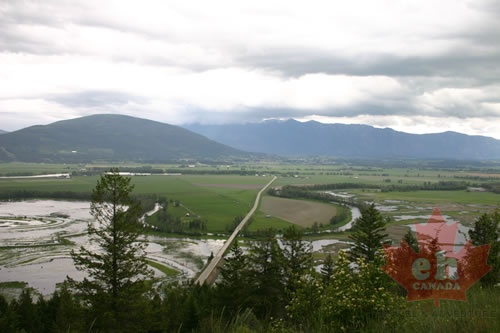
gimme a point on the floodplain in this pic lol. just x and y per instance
(40, 237)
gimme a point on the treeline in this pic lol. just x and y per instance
(197, 171)
(426, 186)
(313, 191)
(492, 187)
(147, 201)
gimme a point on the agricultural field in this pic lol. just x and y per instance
(217, 195)
(218, 198)
(300, 212)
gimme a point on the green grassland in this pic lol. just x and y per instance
(219, 198)
(478, 314)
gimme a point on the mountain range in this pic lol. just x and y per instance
(110, 138)
(115, 138)
(294, 138)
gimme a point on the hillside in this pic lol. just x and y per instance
(110, 138)
(293, 138)
(2, 131)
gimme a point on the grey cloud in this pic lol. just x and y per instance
(257, 114)
(95, 98)
(300, 62)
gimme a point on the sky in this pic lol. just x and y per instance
(415, 66)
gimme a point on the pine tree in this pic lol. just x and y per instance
(327, 269)
(486, 231)
(232, 290)
(116, 264)
(297, 255)
(368, 234)
(266, 276)
(411, 240)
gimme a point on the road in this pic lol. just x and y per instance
(209, 270)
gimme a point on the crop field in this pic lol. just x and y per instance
(300, 212)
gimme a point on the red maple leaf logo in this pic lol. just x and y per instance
(436, 271)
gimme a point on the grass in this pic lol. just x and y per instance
(168, 271)
(216, 204)
(435, 197)
(13, 285)
(232, 196)
(11, 290)
(479, 314)
(261, 221)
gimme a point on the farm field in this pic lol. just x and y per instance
(300, 212)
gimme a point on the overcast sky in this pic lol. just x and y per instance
(417, 66)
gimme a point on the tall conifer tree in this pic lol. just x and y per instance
(116, 261)
(368, 234)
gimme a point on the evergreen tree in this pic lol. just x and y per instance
(368, 234)
(297, 255)
(232, 290)
(411, 240)
(486, 232)
(266, 277)
(116, 264)
(9, 319)
(30, 320)
(327, 269)
(68, 311)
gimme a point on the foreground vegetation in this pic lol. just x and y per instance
(267, 288)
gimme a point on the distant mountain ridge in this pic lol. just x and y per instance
(294, 138)
(109, 137)
(2, 131)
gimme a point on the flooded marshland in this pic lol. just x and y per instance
(36, 238)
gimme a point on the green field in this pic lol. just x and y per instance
(219, 198)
